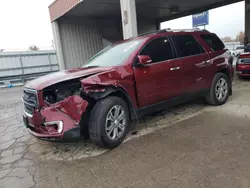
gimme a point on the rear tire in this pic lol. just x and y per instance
(219, 91)
(106, 129)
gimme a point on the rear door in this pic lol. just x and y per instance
(161, 79)
(195, 62)
(219, 57)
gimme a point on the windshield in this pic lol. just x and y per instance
(113, 55)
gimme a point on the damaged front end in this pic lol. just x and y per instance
(61, 111)
(56, 112)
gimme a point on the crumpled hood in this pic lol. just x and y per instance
(57, 77)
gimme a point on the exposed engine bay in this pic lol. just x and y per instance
(61, 91)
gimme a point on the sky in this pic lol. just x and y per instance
(224, 21)
(26, 22)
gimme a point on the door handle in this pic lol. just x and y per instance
(175, 68)
(208, 62)
(204, 63)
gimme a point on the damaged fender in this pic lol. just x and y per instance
(107, 82)
(101, 85)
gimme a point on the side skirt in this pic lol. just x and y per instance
(171, 102)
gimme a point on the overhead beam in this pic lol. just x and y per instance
(60, 7)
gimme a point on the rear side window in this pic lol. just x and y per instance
(214, 42)
(187, 45)
(158, 50)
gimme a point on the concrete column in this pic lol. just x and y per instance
(129, 19)
(58, 44)
(247, 21)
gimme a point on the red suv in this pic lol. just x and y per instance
(243, 65)
(126, 80)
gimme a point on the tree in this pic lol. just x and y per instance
(240, 37)
(1, 50)
(33, 48)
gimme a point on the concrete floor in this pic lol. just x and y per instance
(191, 145)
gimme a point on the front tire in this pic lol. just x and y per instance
(108, 123)
(219, 91)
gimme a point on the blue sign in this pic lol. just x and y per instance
(201, 19)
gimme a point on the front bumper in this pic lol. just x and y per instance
(243, 70)
(72, 135)
(39, 131)
(243, 75)
(57, 122)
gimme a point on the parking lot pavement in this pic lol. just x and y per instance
(191, 145)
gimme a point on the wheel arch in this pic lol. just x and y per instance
(120, 92)
(226, 71)
(94, 96)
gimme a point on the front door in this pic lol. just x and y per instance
(161, 79)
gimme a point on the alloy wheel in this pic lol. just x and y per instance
(115, 122)
(221, 89)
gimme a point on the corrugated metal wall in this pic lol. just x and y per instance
(21, 63)
(110, 29)
(80, 41)
(82, 38)
(146, 26)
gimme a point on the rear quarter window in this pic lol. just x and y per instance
(213, 41)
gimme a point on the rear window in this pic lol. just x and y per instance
(187, 45)
(214, 42)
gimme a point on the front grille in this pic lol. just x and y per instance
(30, 101)
(245, 61)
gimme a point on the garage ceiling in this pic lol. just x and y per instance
(161, 10)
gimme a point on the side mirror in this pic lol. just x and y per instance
(144, 59)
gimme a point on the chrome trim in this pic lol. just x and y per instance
(175, 68)
(204, 63)
(33, 91)
(27, 114)
(27, 102)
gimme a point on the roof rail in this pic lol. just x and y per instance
(181, 30)
(173, 30)
(148, 33)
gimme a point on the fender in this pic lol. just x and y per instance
(100, 91)
(118, 82)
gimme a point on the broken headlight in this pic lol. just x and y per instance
(54, 95)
